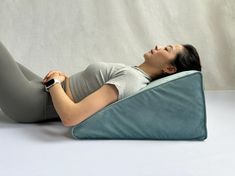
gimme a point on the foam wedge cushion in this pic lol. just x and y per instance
(169, 108)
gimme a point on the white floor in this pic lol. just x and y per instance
(46, 149)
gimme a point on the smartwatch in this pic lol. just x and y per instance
(51, 83)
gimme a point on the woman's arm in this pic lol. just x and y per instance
(72, 113)
(61, 102)
(92, 103)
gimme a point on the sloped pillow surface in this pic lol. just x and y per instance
(169, 108)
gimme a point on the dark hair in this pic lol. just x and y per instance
(187, 60)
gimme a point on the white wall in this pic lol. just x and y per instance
(67, 35)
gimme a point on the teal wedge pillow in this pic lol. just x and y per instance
(169, 108)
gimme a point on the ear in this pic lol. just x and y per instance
(170, 69)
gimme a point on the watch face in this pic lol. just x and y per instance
(48, 83)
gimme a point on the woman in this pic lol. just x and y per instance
(73, 99)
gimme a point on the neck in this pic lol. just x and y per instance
(151, 71)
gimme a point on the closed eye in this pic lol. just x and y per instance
(167, 49)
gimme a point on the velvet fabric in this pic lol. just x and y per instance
(169, 108)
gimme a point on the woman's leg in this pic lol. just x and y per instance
(22, 100)
(28, 73)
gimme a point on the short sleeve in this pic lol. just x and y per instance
(123, 84)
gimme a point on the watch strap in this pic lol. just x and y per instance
(55, 82)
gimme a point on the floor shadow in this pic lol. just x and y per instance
(49, 131)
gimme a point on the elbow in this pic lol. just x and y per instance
(67, 124)
(69, 121)
(70, 118)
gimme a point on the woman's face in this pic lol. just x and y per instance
(161, 56)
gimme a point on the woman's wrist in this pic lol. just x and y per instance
(56, 84)
(51, 83)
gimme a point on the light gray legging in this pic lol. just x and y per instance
(22, 95)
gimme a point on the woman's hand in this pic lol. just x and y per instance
(55, 74)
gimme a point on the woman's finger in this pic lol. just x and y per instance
(47, 74)
(51, 72)
(50, 76)
(57, 72)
